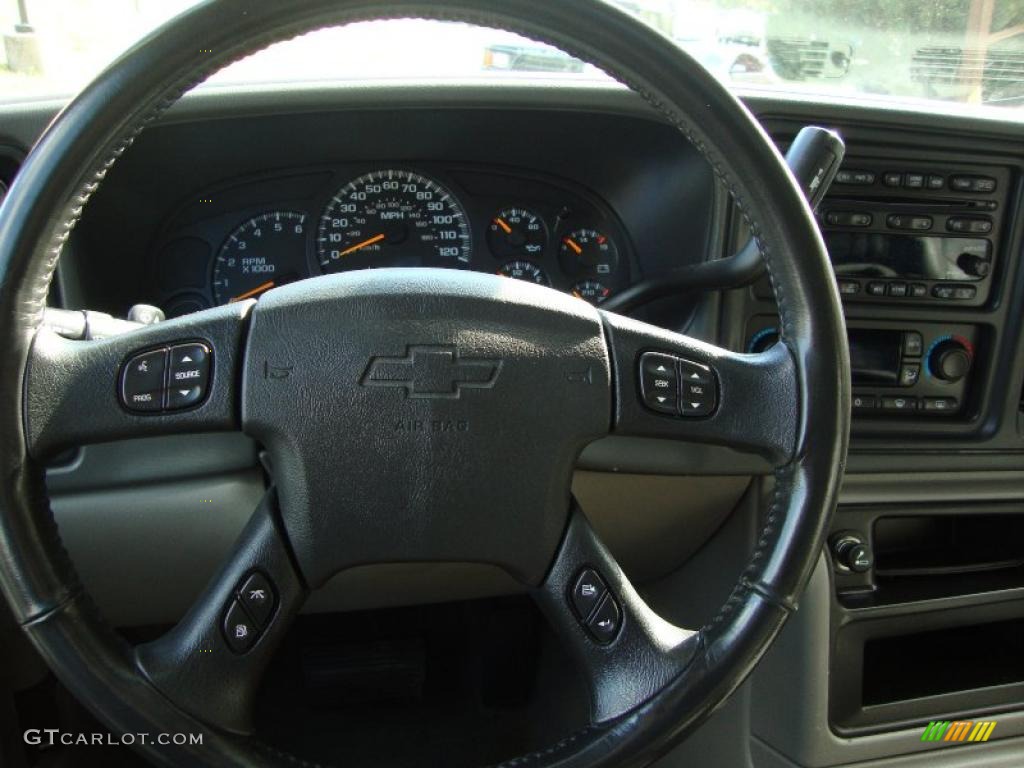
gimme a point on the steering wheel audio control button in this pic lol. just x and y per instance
(587, 592)
(672, 385)
(240, 631)
(258, 598)
(189, 368)
(699, 394)
(142, 381)
(604, 624)
(659, 382)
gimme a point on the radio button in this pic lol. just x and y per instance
(909, 374)
(936, 182)
(971, 225)
(859, 178)
(964, 292)
(913, 344)
(978, 184)
(940, 404)
(849, 287)
(848, 219)
(876, 289)
(898, 289)
(892, 179)
(899, 403)
(918, 290)
(915, 223)
(913, 180)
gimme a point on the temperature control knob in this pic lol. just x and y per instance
(950, 360)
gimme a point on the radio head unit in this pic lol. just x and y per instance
(919, 234)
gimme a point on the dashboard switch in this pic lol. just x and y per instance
(587, 591)
(258, 598)
(142, 381)
(604, 624)
(239, 630)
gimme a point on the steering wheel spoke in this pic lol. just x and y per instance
(668, 385)
(211, 663)
(176, 376)
(627, 652)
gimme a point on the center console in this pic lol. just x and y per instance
(919, 251)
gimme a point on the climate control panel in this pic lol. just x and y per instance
(903, 369)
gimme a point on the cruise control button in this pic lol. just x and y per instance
(257, 595)
(605, 622)
(142, 380)
(239, 631)
(587, 591)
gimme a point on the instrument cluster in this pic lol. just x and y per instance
(252, 235)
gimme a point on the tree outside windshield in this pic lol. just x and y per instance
(964, 52)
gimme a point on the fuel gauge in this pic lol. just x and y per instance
(592, 291)
(524, 270)
(516, 232)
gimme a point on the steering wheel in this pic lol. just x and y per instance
(383, 441)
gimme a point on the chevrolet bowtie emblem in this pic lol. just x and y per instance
(432, 372)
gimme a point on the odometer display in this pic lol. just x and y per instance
(393, 218)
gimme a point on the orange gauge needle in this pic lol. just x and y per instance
(255, 291)
(358, 246)
(572, 244)
(501, 223)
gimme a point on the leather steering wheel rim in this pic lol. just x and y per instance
(69, 163)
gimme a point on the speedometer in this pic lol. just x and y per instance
(393, 218)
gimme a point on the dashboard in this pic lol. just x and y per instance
(587, 191)
(299, 223)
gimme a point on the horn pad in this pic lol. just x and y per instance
(424, 415)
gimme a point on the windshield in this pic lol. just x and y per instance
(957, 54)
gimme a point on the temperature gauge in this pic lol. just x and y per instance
(516, 232)
(592, 291)
(524, 270)
(588, 251)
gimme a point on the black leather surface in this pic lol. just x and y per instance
(396, 459)
(72, 158)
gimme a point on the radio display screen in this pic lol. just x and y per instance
(875, 355)
(913, 257)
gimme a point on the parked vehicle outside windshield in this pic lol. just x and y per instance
(935, 52)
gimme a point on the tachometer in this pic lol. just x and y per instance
(262, 253)
(393, 218)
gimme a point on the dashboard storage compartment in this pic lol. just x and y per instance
(897, 671)
(971, 657)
